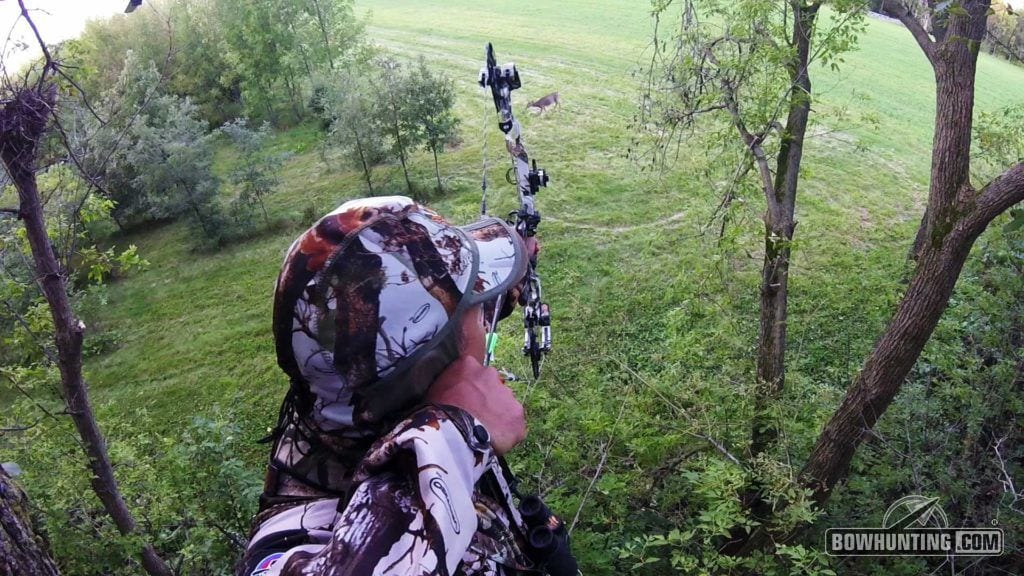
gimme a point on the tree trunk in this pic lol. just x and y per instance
(263, 207)
(323, 32)
(778, 236)
(891, 360)
(437, 169)
(296, 101)
(21, 551)
(117, 222)
(362, 159)
(22, 124)
(401, 150)
(954, 218)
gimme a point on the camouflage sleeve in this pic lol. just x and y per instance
(413, 511)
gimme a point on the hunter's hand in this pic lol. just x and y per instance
(512, 296)
(478, 389)
(532, 248)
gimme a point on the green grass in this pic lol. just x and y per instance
(648, 309)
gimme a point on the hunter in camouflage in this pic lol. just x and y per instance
(366, 475)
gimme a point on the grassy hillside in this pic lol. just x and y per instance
(654, 318)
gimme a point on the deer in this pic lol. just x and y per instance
(544, 102)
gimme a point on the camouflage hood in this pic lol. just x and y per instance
(372, 290)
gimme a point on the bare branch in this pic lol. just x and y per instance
(906, 16)
(85, 97)
(745, 166)
(607, 446)
(21, 390)
(10, 212)
(720, 447)
(19, 428)
(998, 196)
(1013, 53)
(754, 145)
(593, 480)
(1007, 481)
(39, 39)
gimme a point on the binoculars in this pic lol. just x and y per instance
(547, 538)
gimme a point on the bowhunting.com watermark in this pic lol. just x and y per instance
(914, 526)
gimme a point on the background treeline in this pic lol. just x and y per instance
(1004, 34)
(158, 85)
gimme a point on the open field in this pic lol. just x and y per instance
(654, 317)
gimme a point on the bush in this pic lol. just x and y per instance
(194, 497)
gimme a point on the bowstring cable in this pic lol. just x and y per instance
(483, 181)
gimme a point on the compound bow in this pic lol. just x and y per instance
(528, 179)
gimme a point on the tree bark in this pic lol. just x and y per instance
(778, 236)
(401, 145)
(21, 551)
(22, 124)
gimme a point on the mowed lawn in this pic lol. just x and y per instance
(646, 304)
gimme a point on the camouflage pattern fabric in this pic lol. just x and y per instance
(419, 509)
(364, 314)
(369, 292)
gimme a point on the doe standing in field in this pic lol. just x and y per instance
(544, 102)
(386, 453)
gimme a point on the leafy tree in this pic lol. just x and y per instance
(257, 174)
(227, 56)
(24, 117)
(431, 100)
(271, 43)
(955, 216)
(1004, 34)
(743, 68)
(201, 69)
(396, 113)
(338, 31)
(726, 74)
(352, 124)
(104, 143)
(172, 157)
(99, 52)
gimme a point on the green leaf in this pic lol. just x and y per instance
(1016, 224)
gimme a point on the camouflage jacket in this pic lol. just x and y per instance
(428, 498)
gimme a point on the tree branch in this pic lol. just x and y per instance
(998, 196)
(1007, 480)
(753, 142)
(720, 447)
(42, 45)
(910, 22)
(28, 329)
(19, 428)
(1013, 54)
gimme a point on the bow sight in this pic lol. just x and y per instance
(502, 80)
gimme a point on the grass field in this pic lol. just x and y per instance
(654, 319)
